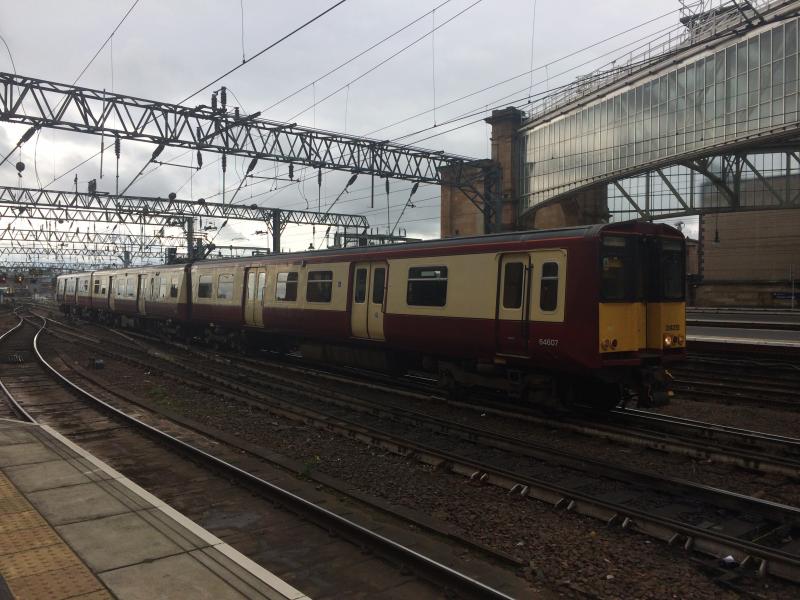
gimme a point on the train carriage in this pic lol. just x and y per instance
(577, 314)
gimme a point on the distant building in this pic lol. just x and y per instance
(748, 259)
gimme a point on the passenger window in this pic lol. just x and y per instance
(427, 286)
(286, 289)
(251, 286)
(96, 286)
(130, 287)
(173, 289)
(319, 287)
(361, 286)
(378, 285)
(103, 289)
(162, 287)
(204, 285)
(225, 287)
(154, 287)
(262, 284)
(548, 296)
(512, 285)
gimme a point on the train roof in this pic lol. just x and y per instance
(583, 231)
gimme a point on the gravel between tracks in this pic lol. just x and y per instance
(576, 555)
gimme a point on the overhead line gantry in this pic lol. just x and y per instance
(41, 103)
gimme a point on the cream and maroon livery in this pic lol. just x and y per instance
(528, 311)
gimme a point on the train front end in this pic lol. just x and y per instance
(642, 306)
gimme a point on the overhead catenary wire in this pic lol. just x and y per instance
(484, 109)
(507, 80)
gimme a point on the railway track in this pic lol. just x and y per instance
(739, 380)
(194, 473)
(709, 520)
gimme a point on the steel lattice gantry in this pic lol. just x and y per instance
(63, 206)
(50, 242)
(87, 237)
(59, 106)
(40, 250)
(56, 266)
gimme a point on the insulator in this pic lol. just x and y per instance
(236, 113)
(199, 160)
(319, 177)
(117, 146)
(352, 180)
(159, 149)
(224, 163)
(27, 135)
(291, 171)
(223, 96)
(387, 186)
(414, 189)
(20, 167)
(252, 165)
(214, 101)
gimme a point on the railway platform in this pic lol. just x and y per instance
(73, 527)
(745, 337)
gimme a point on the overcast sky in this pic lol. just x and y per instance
(167, 50)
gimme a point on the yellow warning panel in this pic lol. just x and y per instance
(35, 562)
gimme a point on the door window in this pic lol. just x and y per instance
(262, 284)
(361, 286)
(548, 296)
(251, 286)
(378, 285)
(512, 285)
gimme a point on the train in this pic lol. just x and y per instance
(587, 316)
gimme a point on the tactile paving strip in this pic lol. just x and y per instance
(34, 561)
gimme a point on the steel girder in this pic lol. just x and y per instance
(70, 205)
(54, 105)
(758, 179)
(88, 238)
(82, 252)
(42, 265)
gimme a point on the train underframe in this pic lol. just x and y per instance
(603, 390)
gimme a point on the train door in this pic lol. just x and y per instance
(369, 291)
(141, 294)
(112, 291)
(513, 305)
(255, 287)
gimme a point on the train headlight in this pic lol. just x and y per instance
(667, 340)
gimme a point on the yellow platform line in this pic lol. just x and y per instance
(35, 562)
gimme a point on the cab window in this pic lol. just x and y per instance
(672, 269)
(427, 286)
(286, 287)
(319, 287)
(204, 285)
